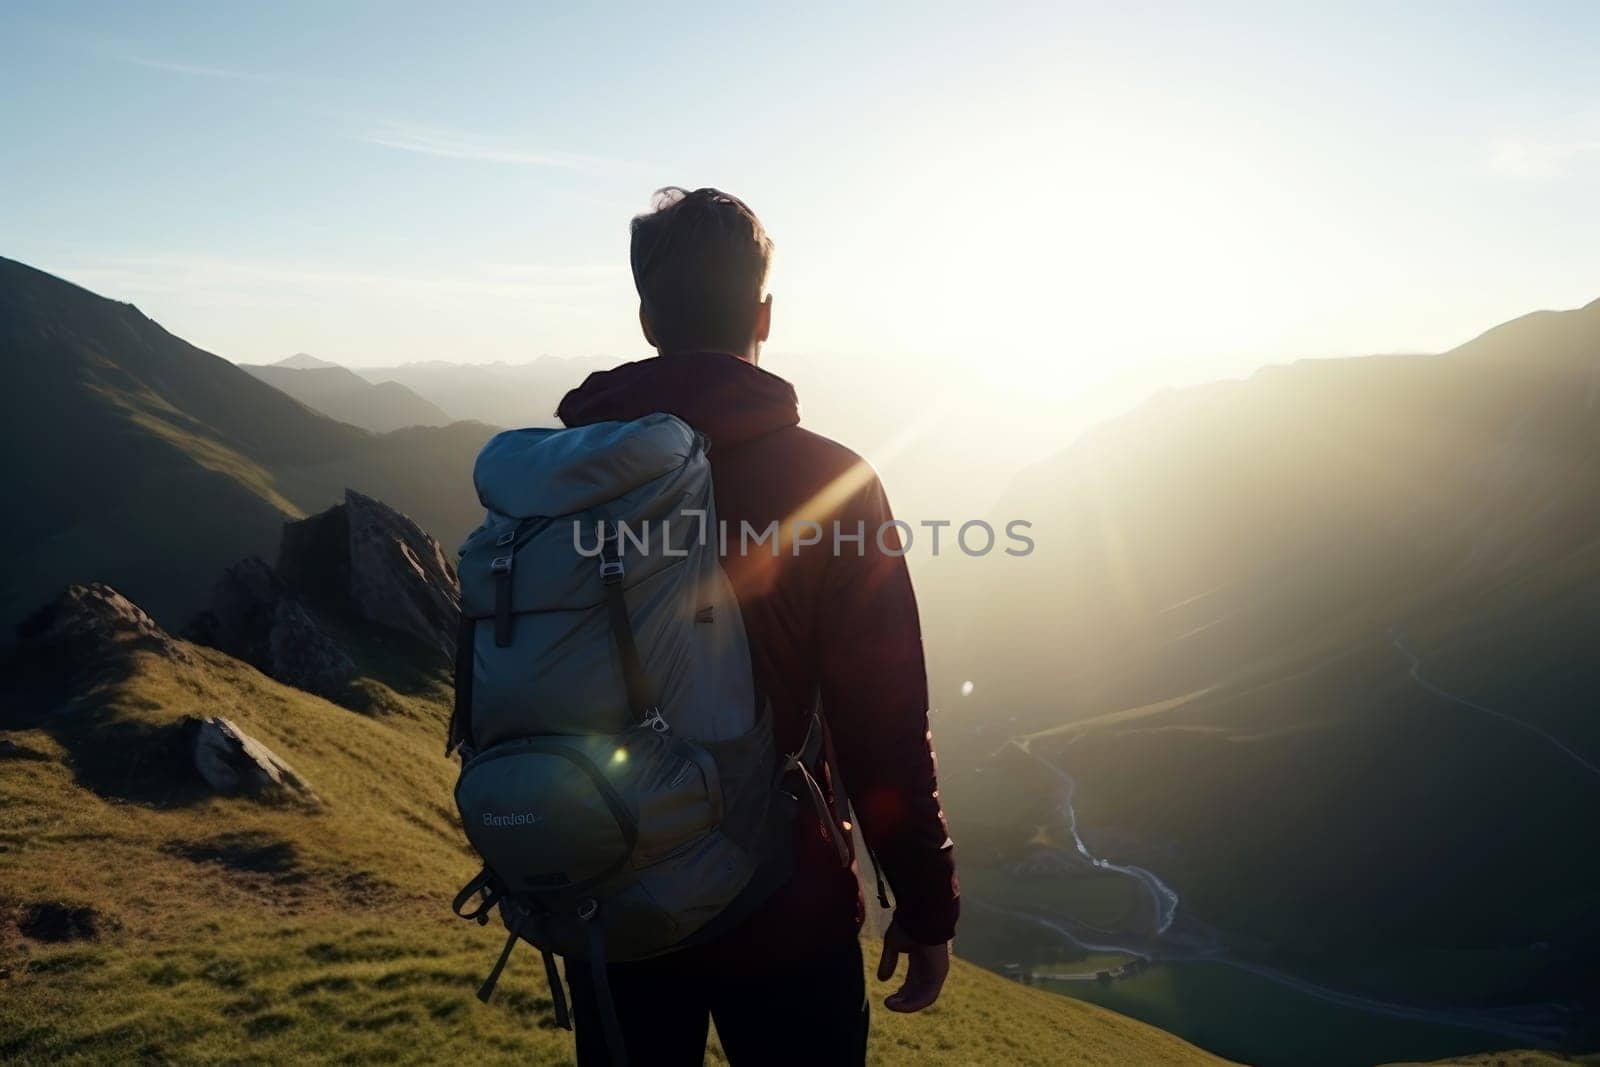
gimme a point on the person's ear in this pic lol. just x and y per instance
(764, 320)
(644, 324)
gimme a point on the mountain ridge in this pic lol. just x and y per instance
(341, 394)
(302, 361)
(119, 420)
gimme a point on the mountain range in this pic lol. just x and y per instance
(343, 395)
(501, 394)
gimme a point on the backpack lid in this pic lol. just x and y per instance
(548, 472)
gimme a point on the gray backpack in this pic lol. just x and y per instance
(618, 775)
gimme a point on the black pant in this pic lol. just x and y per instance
(810, 1013)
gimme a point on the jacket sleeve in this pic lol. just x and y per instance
(875, 699)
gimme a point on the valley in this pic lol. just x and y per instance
(1293, 742)
(1131, 964)
(1192, 976)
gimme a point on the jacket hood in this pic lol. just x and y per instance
(725, 398)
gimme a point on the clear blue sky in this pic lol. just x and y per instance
(1074, 191)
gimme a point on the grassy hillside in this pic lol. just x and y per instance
(143, 919)
(135, 458)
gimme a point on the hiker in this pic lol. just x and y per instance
(829, 626)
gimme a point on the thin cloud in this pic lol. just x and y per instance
(1547, 157)
(455, 144)
(167, 273)
(197, 70)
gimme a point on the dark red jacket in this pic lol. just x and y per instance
(844, 622)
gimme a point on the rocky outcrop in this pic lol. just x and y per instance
(314, 556)
(244, 604)
(85, 637)
(73, 635)
(232, 762)
(88, 618)
(303, 655)
(399, 576)
(255, 616)
(366, 559)
(358, 564)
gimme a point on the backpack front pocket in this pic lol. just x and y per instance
(558, 814)
(545, 816)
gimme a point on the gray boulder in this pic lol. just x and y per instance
(302, 654)
(244, 603)
(354, 571)
(232, 762)
(364, 559)
(400, 576)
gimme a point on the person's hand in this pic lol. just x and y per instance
(926, 968)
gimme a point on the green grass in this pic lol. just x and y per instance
(227, 931)
(214, 456)
(356, 989)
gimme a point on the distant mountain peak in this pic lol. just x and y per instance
(304, 361)
(342, 394)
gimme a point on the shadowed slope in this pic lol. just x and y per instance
(138, 459)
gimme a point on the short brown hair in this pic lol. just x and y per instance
(700, 263)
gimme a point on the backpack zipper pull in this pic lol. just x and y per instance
(653, 721)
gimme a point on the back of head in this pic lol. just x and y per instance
(700, 261)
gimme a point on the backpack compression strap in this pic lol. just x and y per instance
(558, 996)
(616, 1048)
(640, 703)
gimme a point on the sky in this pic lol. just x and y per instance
(1056, 198)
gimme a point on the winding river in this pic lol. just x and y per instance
(1533, 1025)
(1162, 896)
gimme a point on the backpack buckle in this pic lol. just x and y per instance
(610, 570)
(500, 565)
(506, 538)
